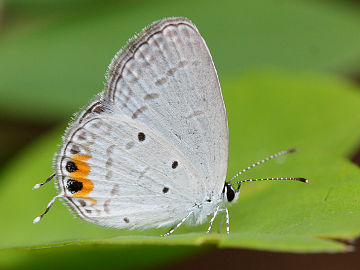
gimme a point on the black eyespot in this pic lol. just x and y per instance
(165, 189)
(71, 166)
(208, 200)
(141, 136)
(174, 164)
(73, 186)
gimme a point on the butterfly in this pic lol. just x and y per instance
(151, 150)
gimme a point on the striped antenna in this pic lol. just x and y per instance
(47, 180)
(37, 219)
(263, 161)
(300, 179)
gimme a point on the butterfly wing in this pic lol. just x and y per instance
(156, 141)
(117, 172)
(166, 79)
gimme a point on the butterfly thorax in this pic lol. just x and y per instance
(208, 206)
(203, 210)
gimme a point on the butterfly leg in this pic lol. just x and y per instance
(212, 219)
(227, 220)
(177, 225)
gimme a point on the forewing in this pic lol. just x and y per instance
(165, 78)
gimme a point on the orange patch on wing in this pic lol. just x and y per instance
(81, 175)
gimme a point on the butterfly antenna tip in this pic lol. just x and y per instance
(37, 219)
(41, 184)
(304, 180)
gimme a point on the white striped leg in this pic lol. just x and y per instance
(178, 225)
(227, 220)
(212, 219)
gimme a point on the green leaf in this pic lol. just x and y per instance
(268, 111)
(296, 109)
(61, 59)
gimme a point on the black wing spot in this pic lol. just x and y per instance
(141, 136)
(126, 220)
(71, 166)
(174, 164)
(73, 186)
(165, 190)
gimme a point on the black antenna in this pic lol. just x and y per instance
(263, 161)
(300, 179)
(47, 180)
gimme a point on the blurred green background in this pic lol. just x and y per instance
(290, 74)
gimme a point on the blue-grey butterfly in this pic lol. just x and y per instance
(151, 150)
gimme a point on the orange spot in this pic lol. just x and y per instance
(81, 175)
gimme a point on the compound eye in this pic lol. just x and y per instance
(230, 192)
